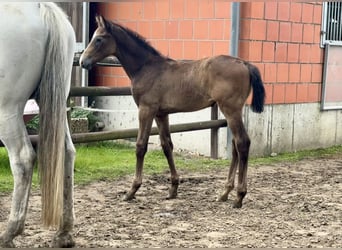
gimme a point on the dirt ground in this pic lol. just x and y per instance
(287, 205)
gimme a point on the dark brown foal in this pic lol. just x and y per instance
(161, 86)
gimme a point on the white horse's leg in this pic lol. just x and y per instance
(63, 237)
(22, 156)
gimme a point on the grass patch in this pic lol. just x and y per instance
(103, 161)
(298, 156)
(6, 179)
(108, 161)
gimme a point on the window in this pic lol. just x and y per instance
(331, 23)
(332, 78)
(331, 40)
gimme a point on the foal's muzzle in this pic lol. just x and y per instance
(86, 63)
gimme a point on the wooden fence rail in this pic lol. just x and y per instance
(213, 124)
(132, 133)
(99, 91)
(117, 91)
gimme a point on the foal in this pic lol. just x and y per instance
(161, 86)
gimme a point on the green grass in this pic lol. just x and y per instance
(108, 161)
(297, 156)
(5, 172)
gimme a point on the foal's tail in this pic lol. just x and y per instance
(53, 91)
(258, 99)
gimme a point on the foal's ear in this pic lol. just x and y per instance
(100, 21)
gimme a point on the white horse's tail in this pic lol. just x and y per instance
(53, 91)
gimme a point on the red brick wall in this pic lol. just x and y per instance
(180, 29)
(281, 38)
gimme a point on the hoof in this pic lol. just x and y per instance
(237, 204)
(171, 197)
(222, 198)
(6, 244)
(63, 240)
(238, 201)
(128, 197)
(172, 193)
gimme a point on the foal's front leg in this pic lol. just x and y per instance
(145, 123)
(166, 143)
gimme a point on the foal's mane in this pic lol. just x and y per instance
(114, 27)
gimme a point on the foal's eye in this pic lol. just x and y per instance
(98, 41)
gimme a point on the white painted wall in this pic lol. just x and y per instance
(293, 127)
(280, 128)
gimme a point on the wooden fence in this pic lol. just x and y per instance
(214, 124)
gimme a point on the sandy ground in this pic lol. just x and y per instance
(287, 205)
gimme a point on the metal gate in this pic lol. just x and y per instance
(78, 13)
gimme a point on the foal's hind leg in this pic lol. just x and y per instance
(231, 174)
(166, 143)
(63, 237)
(22, 156)
(241, 146)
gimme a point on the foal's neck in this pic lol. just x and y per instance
(132, 61)
(133, 51)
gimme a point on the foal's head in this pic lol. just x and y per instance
(101, 45)
(113, 39)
